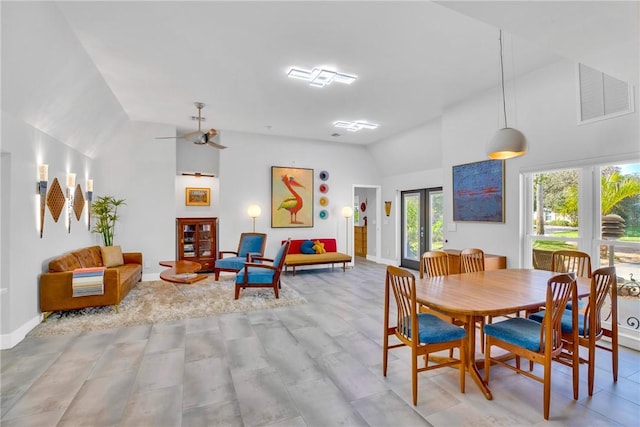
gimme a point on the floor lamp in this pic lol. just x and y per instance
(254, 211)
(347, 211)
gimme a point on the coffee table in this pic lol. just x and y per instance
(181, 272)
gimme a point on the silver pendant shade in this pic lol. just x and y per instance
(507, 142)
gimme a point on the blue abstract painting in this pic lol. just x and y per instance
(478, 191)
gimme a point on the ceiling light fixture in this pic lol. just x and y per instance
(355, 125)
(320, 77)
(507, 142)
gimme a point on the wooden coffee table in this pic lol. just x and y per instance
(181, 272)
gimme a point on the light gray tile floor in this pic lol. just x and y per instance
(318, 364)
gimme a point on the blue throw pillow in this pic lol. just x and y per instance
(307, 247)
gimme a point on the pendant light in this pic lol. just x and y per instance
(507, 142)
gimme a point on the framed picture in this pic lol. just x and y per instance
(291, 197)
(197, 196)
(478, 191)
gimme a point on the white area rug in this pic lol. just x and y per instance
(157, 301)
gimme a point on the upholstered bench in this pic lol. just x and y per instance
(295, 257)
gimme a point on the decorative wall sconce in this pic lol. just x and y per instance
(387, 207)
(89, 199)
(43, 180)
(254, 211)
(71, 183)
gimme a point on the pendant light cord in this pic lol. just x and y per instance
(504, 103)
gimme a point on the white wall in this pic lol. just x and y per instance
(245, 179)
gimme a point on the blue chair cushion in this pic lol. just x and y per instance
(567, 323)
(231, 263)
(518, 331)
(279, 255)
(581, 304)
(307, 247)
(257, 275)
(250, 244)
(432, 329)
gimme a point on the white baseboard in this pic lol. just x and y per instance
(10, 340)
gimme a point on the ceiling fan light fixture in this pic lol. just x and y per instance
(508, 142)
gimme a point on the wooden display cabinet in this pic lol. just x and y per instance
(491, 262)
(197, 240)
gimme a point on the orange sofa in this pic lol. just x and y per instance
(295, 258)
(56, 284)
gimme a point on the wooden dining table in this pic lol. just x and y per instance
(472, 296)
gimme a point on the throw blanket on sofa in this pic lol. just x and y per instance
(88, 281)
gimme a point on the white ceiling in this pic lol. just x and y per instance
(412, 58)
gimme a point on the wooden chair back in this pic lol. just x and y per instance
(471, 260)
(434, 264)
(568, 261)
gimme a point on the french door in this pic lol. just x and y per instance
(421, 224)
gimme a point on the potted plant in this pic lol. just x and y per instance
(105, 211)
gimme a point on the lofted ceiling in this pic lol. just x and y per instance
(412, 58)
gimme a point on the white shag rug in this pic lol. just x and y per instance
(156, 301)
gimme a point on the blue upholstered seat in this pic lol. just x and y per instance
(518, 331)
(567, 321)
(253, 274)
(250, 244)
(432, 329)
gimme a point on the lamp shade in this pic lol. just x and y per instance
(254, 211)
(347, 211)
(507, 143)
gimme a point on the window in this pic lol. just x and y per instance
(594, 209)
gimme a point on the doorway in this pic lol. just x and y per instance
(421, 224)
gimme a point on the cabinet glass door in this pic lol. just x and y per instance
(189, 241)
(204, 243)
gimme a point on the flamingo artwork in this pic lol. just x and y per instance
(292, 203)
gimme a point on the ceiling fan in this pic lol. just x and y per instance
(198, 137)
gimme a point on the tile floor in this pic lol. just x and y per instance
(317, 364)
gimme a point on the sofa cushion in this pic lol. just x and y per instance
(318, 247)
(67, 262)
(89, 257)
(111, 256)
(307, 247)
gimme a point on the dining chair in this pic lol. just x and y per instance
(436, 264)
(590, 330)
(537, 342)
(570, 261)
(264, 273)
(249, 245)
(424, 333)
(471, 261)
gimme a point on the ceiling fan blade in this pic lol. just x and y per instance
(214, 145)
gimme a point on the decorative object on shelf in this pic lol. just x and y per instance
(324, 214)
(105, 211)
(347, 212)
(324, 175)
(291, 197)
(89, 200)
(323, 188)
(55, 199)
(43, 180)
(197, 196)
(324, 201)
(507, 142)
(478, 191)
(71, 183)
(387, 207)
(254, 211)
(78, 202)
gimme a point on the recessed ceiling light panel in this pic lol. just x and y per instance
(320, 77)
(355, 125)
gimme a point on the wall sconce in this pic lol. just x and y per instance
(89, 199)
(347, 212)
(387, 207)
(43, 179)
(71, 183)
(254, 211)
